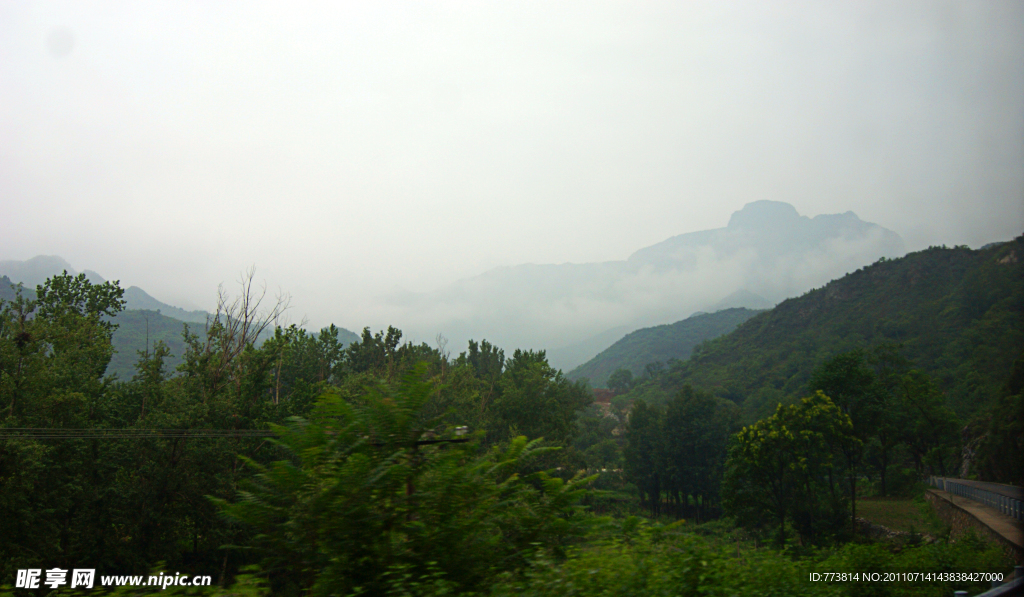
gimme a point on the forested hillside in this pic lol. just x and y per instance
(110, 491)
(140, 330)
(659, 344)
(957, 313)
(401, 469)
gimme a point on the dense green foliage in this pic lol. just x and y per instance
(358, 499)
(364, 491)
(125, 504)
(998, 434)
(958, 314)
(656, 560)
(661, 343)
(141, 331)
(679, 452)
(789, 467)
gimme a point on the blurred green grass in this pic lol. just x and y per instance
(911, 515)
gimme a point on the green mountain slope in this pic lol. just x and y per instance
(35, 271)
(659, 344)
(138, 299)
(959, 314)
(131, 337)
(6, 292)
(139, 328)
(574, 355)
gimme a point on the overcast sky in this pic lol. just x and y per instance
(349, 150)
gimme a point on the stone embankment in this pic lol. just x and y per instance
(964, 515)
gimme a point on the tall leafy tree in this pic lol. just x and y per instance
(644, 453)
(696, 431)
(1000, 449)
(784, 469)
(851, 384)
(54, 351)
(535, 400)
(893, 411)
(933, 430)
(620, 381)
(358, 501)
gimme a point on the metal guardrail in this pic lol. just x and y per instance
(999, 500)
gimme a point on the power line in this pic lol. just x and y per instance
(50, 433)
(44, 433)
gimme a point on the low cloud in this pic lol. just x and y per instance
(772, 252)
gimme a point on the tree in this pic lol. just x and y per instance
(1000, 450)
(893, 411)
(696, 431)
(65, 294)
(620, 381)
(224, 359)
(53, 355)
(535, 400)
(933, 431)
(358, 502)
(487, 361)
(783, 468)
(652, 370)
(853, 387)
(643, 453)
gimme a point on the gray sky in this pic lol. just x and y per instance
(351, 150)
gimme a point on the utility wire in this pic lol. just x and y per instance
(44, 433)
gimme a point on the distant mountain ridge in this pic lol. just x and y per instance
(662, 343)
(138, 299)
(36, 270)
(6, 292)
(33, 272)
(780, 238)
(957, 313)
(766, 253)
(139, 330)
(144, 322)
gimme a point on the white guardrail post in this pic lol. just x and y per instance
(1010, 506)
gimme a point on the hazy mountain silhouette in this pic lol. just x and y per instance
(144, 321)
(33, 272)
(138, 299)
(767, 252)
(660, 344)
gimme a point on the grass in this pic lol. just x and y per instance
(911, 515)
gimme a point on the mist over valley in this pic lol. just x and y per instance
(512, 299)
(767, 252)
